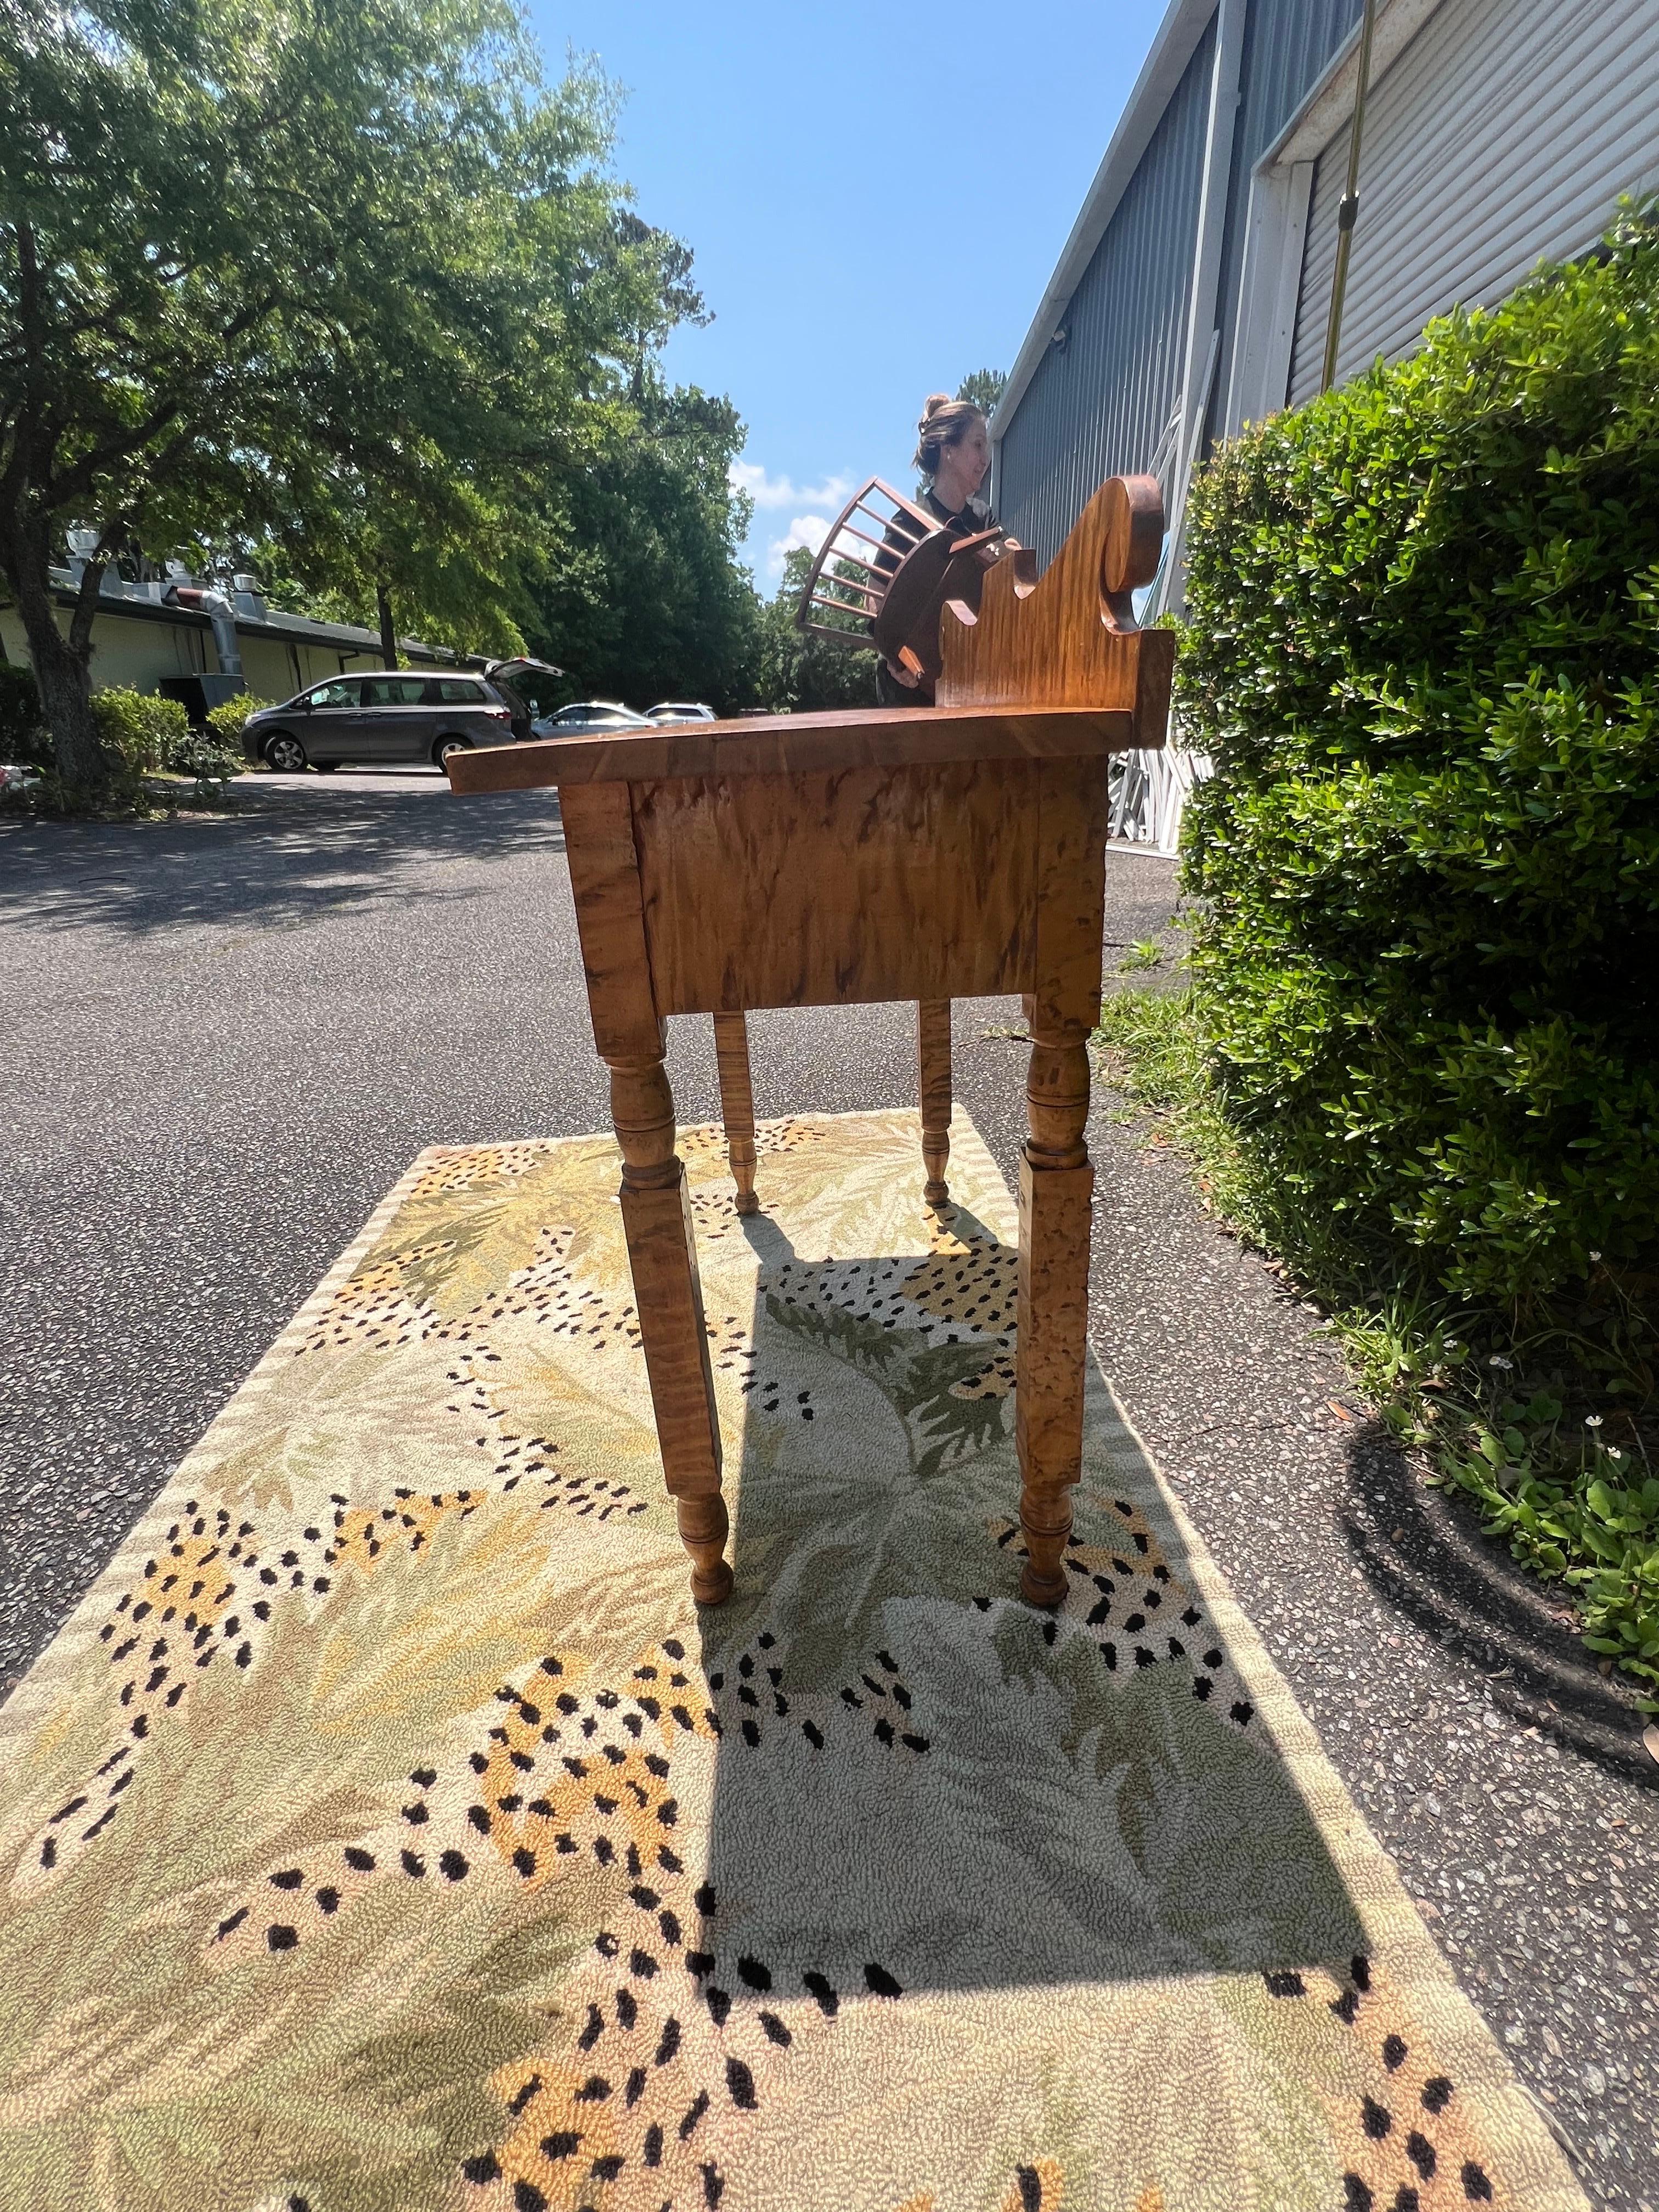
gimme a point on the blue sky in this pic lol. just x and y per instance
(875, 193)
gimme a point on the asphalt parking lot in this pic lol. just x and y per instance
(228, 1037)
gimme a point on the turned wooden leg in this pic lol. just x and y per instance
(657, 1220)
(736, 1104)
(934, 1087)
(1056, 1183)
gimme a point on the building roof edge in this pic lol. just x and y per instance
(1172, 48)
(274, 623)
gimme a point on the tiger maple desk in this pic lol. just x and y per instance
(826, 860)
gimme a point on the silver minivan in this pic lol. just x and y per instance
(379, 722)
(389, 719)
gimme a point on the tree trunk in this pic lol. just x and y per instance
(388, 635)
(63, 669)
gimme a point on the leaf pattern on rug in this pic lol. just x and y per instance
(389, 1831)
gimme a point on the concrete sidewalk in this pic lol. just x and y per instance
(230, 1036)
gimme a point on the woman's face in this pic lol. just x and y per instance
(962, 467)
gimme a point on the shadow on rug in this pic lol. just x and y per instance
(388, 1830)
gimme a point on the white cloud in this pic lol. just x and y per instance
(766, 490)
(807, 530)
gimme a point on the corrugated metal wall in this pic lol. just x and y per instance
(1503, 135)
(1287, 45)
(1098, 408)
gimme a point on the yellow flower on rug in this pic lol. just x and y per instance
(388, 1830)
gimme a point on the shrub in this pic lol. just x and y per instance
(209, 758)
(24, 739)
(1420, 650)
(228, 720)
(142, 731)
(1572, 1492)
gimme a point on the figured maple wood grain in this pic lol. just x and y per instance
(1132, 507)
(933, 1094)
(736, 1105)
(834, 890)
(776, 745)
(662, 1258)
(604, 876)
(1056, 1189)
(1056, 1180)
(655, 1209)
(1074, 814)
(946, 565)
(908, 853)
(1058, 639)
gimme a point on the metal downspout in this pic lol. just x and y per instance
(1203, 335)
(1347, 208)
(221, 615)
(219, 611)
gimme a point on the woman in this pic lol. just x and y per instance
(953, 452)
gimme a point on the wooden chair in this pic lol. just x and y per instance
(820, 859)
(862, 550)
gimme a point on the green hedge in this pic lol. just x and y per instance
(142, 732)
(228, 720)
(1423, 653)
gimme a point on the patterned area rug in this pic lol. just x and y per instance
(389, 1831)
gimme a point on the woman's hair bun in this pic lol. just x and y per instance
(934, 402)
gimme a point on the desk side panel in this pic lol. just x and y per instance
(825, 890)
(1071, 849)
(605, 879)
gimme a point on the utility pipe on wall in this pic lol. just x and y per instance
(1347, 208)
(1203, 334)
(219, 611)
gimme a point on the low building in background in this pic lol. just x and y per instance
(1194, 295)
(159, 630)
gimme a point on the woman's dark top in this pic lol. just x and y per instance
(966, 522)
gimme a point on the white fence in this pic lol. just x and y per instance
(1149, 795)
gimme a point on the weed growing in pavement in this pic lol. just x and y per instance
(1542, 1417)
(1145, 952)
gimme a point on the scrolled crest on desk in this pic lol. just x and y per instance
(1133, 510)
(1069, 637)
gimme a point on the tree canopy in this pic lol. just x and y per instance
(354, 284)
(984, 387)
(636, 585)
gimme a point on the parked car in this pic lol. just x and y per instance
(589, 718)
(680, 710)
(384, 720)
(526, 685)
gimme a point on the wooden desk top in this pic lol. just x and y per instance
(803, 745)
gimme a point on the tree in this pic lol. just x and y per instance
(447, 518)
(333, 275)
(637, 587)
(984, 387)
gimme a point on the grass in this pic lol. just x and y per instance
(1543, 1423)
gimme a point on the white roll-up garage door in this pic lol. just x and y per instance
(1501, 136)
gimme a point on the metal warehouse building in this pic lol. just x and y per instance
(1194, 293)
